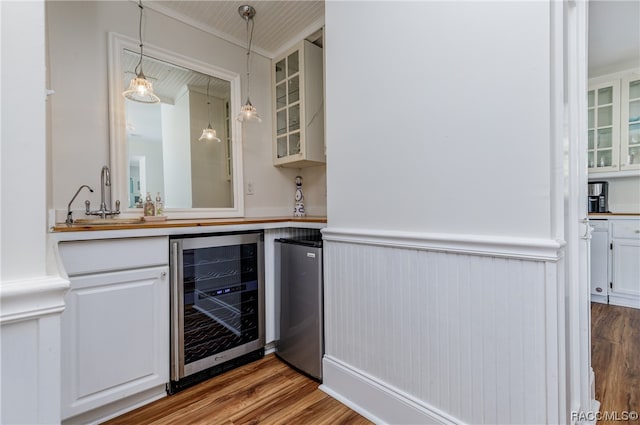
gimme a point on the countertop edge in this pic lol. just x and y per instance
(614, 215)
(63, 232)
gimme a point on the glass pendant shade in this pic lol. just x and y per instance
(209, 134)
(249, 113)
(141, 90)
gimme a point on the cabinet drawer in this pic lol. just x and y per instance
(628, 229)
(599, 225)
(98, 256)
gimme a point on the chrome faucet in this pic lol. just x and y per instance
(105, 208)
(69, 213)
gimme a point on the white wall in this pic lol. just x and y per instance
(30, 293)
(77, 37)
(624, 194)
(177, 153)
(23, 142)
(151, 150)
(458, 139)
(210, 185)
(443, 269)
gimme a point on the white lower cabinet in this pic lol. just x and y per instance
(625, 260)
(115, 327)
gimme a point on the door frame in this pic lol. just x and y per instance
(581, 401)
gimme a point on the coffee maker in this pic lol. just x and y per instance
(598, 202)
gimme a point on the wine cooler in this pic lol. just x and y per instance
(217, 305)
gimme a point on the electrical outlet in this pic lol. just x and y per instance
(250, 188)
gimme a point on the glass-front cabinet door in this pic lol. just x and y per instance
(630, 119)
(603, 129)
(298, 98)
(287, 73)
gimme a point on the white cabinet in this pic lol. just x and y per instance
(603, 126)
(298, 96)
(625, 263)
(115, 328)
(599, 264)
(613, 127)
(630, 127)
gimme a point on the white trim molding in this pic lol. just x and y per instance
(30, 299)
(398, 406)
(494, 246)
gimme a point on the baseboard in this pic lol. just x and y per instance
(602, 299)
(375, 400)
(117, 408)
(624, 301)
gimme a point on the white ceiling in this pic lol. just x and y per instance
(614, 26)
(277, 24)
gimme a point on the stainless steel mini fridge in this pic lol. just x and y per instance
(299, 304)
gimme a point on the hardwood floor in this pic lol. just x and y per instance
(270, 392)
(263, 392)
(615, 357)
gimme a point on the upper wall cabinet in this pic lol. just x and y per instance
(604, 126)
(630, 129)
(614, 125)
(298, 97)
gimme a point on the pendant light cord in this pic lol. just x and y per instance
(208, 102)
(249, 40)
(139, 65)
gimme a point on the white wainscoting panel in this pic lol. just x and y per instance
(468, 338)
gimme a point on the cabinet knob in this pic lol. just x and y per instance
(163, 274)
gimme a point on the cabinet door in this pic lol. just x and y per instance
(115, 337)
(603, 127)
(298, 117)
(626, 267)
(630, 124)
(288, 101)
(599, 258)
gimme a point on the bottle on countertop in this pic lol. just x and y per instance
(149, 208)
(159, 205)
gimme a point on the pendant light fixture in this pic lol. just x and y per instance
(209, 133)
(140, 89)
(248, 112)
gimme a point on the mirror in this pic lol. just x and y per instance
(156, 148)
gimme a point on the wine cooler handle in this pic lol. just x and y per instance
(175, 313)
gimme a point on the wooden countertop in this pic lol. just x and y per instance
(63, 227)
(606, 215)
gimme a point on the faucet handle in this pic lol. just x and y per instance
(117, 207)
(87, 206)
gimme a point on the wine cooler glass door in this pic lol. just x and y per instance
(221, 307)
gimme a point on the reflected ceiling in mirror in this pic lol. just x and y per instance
(154, 148)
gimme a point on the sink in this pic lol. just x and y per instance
(107, 221)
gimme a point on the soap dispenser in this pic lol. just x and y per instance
(159, 205)
(149, 208)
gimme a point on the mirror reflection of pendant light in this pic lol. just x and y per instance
(209, 133)
(140, 89)
(248, 112)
